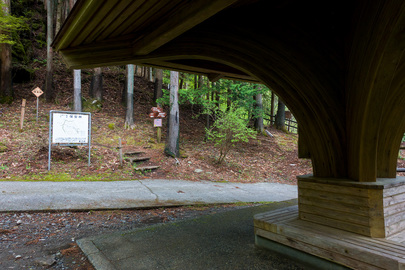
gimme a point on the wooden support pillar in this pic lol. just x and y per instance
(375, 209)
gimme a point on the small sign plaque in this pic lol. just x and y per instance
(157, 122)
(37, 92)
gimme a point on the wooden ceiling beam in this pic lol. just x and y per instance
(213, 77)
(186, 18)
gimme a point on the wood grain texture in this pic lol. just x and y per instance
(375, 209)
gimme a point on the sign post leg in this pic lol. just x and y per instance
(50, 141)
(159, 134)
(37, 108)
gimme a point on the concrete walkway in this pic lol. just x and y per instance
(33, 196)
(217, 241)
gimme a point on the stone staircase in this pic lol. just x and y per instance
(138, 158)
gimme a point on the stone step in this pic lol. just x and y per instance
(131, 154)
(137, 159)
(146, 168)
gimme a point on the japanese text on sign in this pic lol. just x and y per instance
(70, 128)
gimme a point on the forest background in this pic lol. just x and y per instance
(27, 61)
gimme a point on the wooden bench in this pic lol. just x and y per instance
(345, 248)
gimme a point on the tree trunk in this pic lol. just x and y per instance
(96, 86)
(181, 75)
(158, 85)
(49, 92)
(146, 73)
(59, 10)
(77, 91)
(272, 108)
(259, 113)
(280, 116)
(172, 144)
(6, 87)
(129, 118)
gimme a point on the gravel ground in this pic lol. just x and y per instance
(47, 240)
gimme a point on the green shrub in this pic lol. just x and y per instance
(229, 129)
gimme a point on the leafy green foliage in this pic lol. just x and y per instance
(229, 129)
(9, 25)
(220, 94)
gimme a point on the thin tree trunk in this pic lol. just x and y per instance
(280, 117)
(96, 86)
(272, 108)
(59, 10)
(49, 92)
(77, 91)
(259, 113)
(172, 144)
(6, 88)
(129, 118)
(181, 86)
(158, 85)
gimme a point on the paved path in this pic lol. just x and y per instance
(217, 241)
(31, 196)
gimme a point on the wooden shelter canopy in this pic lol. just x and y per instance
(338, 65)
(116, 32)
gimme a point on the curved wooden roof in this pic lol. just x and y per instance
(338, 64)
(116, 32)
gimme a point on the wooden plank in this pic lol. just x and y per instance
(393, 209)
(93, 22)
(187, 17)
(364, 230)
(382, 244)
(394, 191)
(344, 243)
(112, 17)
(334, 188)
(395, 227)
(394, 199)
(337, 197)
(148, 15)
(81, 19)
(346, 217)
(317, 251)
(338, 206)
(126, 17)
(292, 210)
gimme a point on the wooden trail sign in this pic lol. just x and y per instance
(158, 114)
(37, 92)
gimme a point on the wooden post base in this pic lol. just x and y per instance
(375, 209)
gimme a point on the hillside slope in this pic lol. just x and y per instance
(25, 154)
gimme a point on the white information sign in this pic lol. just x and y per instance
(70, 128)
